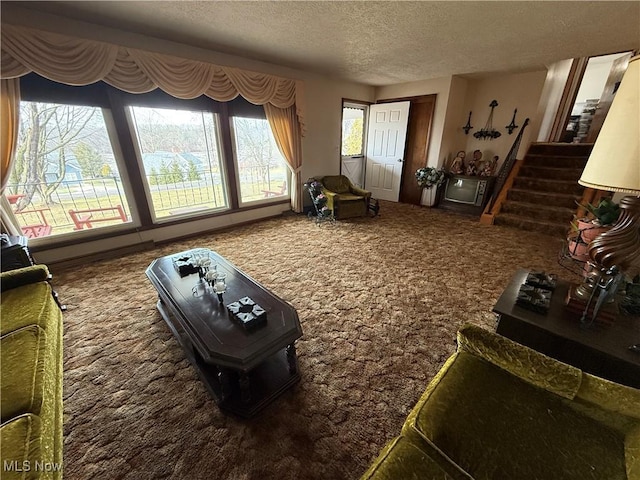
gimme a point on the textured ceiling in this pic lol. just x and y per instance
(378, 43)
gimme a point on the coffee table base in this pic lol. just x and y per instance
(241, 393)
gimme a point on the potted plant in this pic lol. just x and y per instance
(584, 230)
(600, 219)
(429, 177)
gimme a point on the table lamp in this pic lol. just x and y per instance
(614, 165)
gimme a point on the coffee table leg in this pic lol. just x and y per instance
(245, 388)
(291, 358)
(224, 384)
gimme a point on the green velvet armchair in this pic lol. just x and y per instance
(498, 410)
(343, 198)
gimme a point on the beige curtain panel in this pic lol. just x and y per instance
(76, 61)
(286, 133)
(9, 119)
(9, 116)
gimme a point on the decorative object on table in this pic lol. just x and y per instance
(600, 218)
(512, 126)
(630, 303)
(468, 126)
(534, 299)
(247, 313)
(614, 165)
(488, 132)
(429, 177)
(489, 167)
(472, 166)
(319, 200)
(211, 276)
(546, 281)
(597, 309)
(184, 265)
(457, 166)
(220, 285)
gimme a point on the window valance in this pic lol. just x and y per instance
(76, 61)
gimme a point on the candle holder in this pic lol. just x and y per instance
(220, 285)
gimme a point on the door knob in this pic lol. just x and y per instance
(400, 160)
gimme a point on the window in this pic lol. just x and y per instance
(65, 176)
(262, 171)
(353, 123)
(180, 156)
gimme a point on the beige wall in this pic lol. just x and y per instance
(458, 95)
(521, 91)
(550, 99)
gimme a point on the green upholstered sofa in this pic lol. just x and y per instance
(343, 198)
(499, 410)
(30, 376)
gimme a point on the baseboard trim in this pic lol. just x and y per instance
(103, 255)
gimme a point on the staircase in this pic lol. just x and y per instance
(544, 194)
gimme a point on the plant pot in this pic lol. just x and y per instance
(578, 250)
(590, 231)
(429, 196)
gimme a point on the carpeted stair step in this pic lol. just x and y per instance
(543, 212)
(549, 228)
(543, 198)
(557, 161)
(556, 173)
(564, 149)
(545, 185)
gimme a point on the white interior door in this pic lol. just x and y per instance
(386, 137)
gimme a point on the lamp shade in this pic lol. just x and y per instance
(614, 163)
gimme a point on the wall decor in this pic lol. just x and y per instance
(512, 126)
(468, 126)
(488, 132)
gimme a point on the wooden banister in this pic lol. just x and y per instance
(508, 172)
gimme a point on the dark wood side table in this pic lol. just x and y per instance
(15, 253)
(601, 350)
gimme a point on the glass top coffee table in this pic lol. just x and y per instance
(244, 368)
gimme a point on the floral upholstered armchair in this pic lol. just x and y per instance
(345, 199)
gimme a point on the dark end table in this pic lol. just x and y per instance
(602, 350)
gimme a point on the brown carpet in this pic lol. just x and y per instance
(379, 301)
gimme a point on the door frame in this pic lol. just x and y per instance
(570, 92)
(427, 135)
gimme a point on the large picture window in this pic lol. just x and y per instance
(180, 157)
(262, 171)
(92, 159)
(65, 176)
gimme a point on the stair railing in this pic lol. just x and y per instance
(503, 175)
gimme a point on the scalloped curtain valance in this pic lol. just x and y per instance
(76, 61)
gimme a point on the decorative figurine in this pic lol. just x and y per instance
(457, 166)
(472, 166)
(489, 167)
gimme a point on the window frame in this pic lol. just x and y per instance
(260, 201)
(364, 106)
(147, 190)
(101, 230)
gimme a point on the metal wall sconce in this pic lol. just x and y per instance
(488, 132)
(468, 126)
(512, 126)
